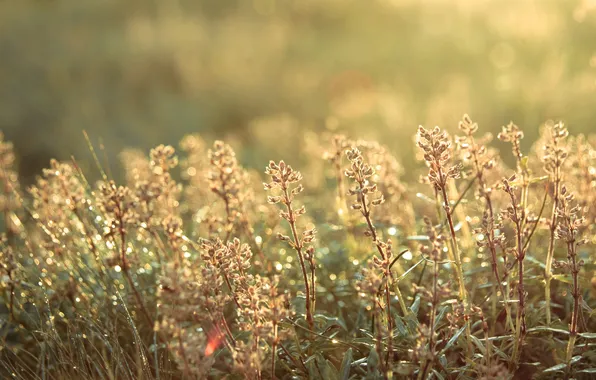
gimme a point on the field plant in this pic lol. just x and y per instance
(196, 267)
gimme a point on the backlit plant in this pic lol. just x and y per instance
(190, 270)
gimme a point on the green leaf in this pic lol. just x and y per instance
(330, 320)
(535, 261)
(556, 368)
(566, 278)
(588, 335)
(549, 329)
(320, 368)
(438, 375)
(328, 369)
(346, 363)
(400, 327)
(587, 370)
(443, 361)
(453, 339)
(539, 179)
(478, 344)
(415, 305)
(409, 270)
(440, 316)
(373, 360)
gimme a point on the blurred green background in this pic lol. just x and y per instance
(263, 72)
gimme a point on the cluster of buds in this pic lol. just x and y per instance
(8, 177)
(571, 220)
(361, 172)
(56, 193)
(8, 269)
(512, 212)
(118, 204)
(512, 134)
(570, 223)
(583, 169)
(158, 194)
(486, 239)
(229, 182)
(555, 152)
(476, 151)
(436, 149)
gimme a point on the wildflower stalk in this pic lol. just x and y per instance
(436, 148)
(555, 155)
(297, 244)
(361, 173)
(516, 214)
(113, 201)
(224, 181)
(282, 176)
(567, 229)
(476, 152)
(274, 349)
(434, 251)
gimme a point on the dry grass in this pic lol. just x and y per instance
(191, 270)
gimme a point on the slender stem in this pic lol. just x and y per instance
(573, 331)
(433, 313)
(297, 244)
(520, 329)
(374, 236)
(456, 254)
(312, 283)
(548, 275)
(491, 231)
(273, 350)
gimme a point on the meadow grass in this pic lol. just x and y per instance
(190, 269)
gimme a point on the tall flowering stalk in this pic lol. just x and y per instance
(516, 214)
(554, 157)
(512, 134)
(225, 182)
(117, 204)
(570, 221)
(364, 189)
(475, 151)
(283, 177)
(437, 155)
(230, 182)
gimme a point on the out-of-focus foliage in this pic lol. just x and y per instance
(146, 72)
